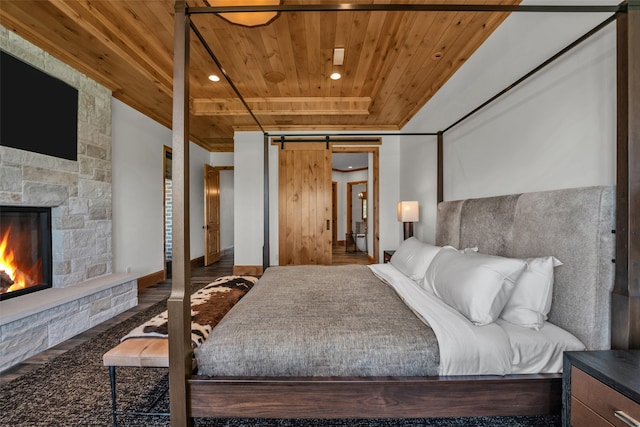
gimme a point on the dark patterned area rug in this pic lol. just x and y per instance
(73, 390)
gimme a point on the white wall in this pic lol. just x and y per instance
(227, 210)
(198, 156)
(248, 198)
(390, 229)
(418, 158)
(138, 234)
(557, 130)
(221, 159)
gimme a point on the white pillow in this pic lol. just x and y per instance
(530, 302)
(477, 285)
(413, 257)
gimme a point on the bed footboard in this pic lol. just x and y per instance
(375, 397)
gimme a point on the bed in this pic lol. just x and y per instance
(517, 225)
(573, 225)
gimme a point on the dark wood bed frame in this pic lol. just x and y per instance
(384, 397)
(375, 397)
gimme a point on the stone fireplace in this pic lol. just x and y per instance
(84, 290)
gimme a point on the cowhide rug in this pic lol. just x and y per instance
(208, 307)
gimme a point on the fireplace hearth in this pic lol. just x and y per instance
(25, 250)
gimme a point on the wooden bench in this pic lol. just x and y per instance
(136, 352)
(153, 352)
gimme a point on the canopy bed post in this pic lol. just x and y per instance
(625, 300)
(265, 248)
(179, 303)
(440, 167)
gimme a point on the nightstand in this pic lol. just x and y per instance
(388, 255)
(601, 388)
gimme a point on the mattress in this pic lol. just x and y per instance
(320, 321)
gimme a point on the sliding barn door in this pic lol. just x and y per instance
(304, 176)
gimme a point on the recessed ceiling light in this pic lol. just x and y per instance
(350, 167)
(214, 78)
(335, 76)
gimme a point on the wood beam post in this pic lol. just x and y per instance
(179, 304)
(625, 304)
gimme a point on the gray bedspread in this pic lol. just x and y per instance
(319, 321)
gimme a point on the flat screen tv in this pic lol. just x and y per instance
(38, 112)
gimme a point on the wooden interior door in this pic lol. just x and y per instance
(211, 214)
(305, 230)
(334, 213)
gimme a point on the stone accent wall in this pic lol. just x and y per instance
(85, 292)
(79, 192)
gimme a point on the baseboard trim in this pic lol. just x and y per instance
(157, 277)
(247, 270)
(151, 279)
(197, 262)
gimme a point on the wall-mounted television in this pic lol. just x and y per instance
(38, 112)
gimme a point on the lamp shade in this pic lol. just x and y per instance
(247, 19)
(408, 211)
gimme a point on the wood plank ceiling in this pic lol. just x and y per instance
(394, 62)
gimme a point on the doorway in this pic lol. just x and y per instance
(305, 217)
(360, 195)
(211, 215)
(356, 219)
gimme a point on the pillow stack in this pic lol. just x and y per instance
(481, 287)
(477, 285)
(413, 257)
(530, 302)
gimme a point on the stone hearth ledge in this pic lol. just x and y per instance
(46, 299)
(37, 321)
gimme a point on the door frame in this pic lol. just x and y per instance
(375, 150)
(350, 185)
(207, 193)
(355, 145)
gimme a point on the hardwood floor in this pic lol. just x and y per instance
(341, 257)
(146, 298)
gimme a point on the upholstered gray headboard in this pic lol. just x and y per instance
(574, 225)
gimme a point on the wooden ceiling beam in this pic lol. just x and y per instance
(107, 32)
(276, 106)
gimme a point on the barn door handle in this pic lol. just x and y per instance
(328, 224)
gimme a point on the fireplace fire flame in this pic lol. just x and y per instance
(13, 276)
